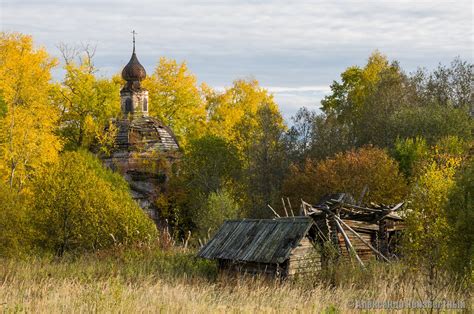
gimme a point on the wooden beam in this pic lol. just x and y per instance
(291, 208)
(362, 239)
(273, 211)
(303, 207)
(349, 247)
(284, 206)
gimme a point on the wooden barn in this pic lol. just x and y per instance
(288, 246)
(276, 247)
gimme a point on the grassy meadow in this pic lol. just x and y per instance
(149, 280)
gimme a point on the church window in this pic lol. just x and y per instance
(128, 105)
(145, 104)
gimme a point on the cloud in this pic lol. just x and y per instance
(281, 43)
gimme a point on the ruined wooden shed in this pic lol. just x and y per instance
(363, 232)
(275, 247)
(298, 245)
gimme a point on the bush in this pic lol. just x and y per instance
(80, 205)
(15, 233)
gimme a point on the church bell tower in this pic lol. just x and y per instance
(134, 98)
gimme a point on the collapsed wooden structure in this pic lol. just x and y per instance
(357, 232)
(335, 228)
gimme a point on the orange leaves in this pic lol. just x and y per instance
(349, 172)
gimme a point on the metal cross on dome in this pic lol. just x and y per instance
(134, 33)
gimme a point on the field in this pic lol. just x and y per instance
(152, 280)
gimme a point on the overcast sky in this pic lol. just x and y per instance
(294, 48)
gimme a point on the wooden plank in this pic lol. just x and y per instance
(368, 244)
(348, 244)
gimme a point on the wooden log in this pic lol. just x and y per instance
(349, 246)
(284, 207)
(273, 211)
(360, 238)
(291, 208)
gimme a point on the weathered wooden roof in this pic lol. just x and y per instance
(257, 240)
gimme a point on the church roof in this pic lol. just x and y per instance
(133, 71)
(145, 134)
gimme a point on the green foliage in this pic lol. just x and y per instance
(427, 230)
(408, 152)
(80, 205)
(459, 213)
(219, 207)
(265, 161)
(15, 232)
(431, 122)
(210, 164)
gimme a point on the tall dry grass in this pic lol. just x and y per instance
(174, 282)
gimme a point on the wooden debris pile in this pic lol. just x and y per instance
(356, 231)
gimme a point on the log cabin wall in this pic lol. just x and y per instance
(252, 268)
(305, 258)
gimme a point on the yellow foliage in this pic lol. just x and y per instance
(175, 100)
(27, 139)
(236, 109)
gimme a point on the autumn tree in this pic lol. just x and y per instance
(80, 205)
(349, 172)
(264, 158)
(176, 100)
(379, 103)
(28, 121)
(86, 102)
(409, 152)
(210, 166)
(459, 212)
(426, 237)
(238, 103)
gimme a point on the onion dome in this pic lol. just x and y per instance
(133, 71)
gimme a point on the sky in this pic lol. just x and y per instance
(295, 49)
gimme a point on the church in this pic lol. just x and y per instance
(144, 146)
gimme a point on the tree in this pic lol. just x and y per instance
(80, 205)
(175, 100)
(426, 248)
(459, 213)
(349, 172)
(431, 122)
(238, 103)
(211, 165)
(220, 206)
(86, 103)
(409, 152)
(301, 134)
(27, 138)
(265, 159)
(349, 96)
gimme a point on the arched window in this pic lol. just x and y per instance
(145, 104)
(128, 105)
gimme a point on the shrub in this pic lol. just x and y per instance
(80, 205)
(15, 233)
